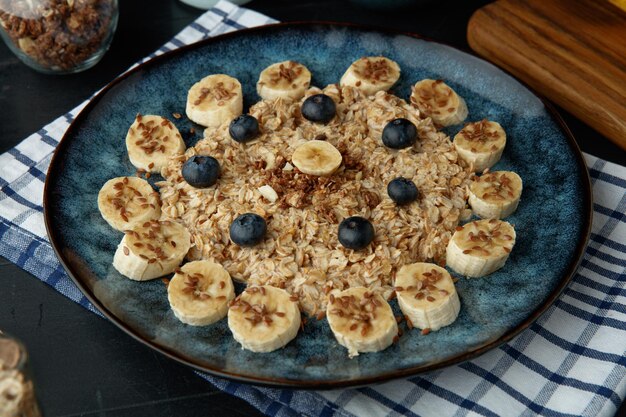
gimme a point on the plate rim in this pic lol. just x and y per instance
(316, 384)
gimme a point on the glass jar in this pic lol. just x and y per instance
(17, 394)
(58, 36)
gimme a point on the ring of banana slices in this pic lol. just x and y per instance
(264, 318)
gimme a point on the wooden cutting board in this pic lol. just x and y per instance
(571, 51)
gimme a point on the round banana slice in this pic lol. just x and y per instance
(288, 79)
(427, 296)
(481, 143)
(361, 320)
(125, 202)
(495, 195)
(371, 74)
(199, 293)
(263, 318)
(152, 250)
(437, 100)
(480, 247)
(214, 100)
(151, 141)
(317, 157)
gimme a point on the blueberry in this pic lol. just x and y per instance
(248, 229)
(244, 128)
(399, 133)
(356, 232)
(319, 108)
(402, 190)
(201, 171)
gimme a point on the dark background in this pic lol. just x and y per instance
(83, 365)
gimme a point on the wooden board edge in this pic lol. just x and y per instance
(480, 43)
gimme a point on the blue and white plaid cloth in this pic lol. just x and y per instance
(571, 362)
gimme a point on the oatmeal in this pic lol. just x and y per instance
(301, 252)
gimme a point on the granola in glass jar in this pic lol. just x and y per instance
(58, 36)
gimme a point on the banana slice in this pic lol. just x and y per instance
(495, 195)
(480, 247)
(317, 157)
(427, 296)
(371, 74)
(152, 250)
(214, 100)
(199, 293)
(263, 318)
(125, 202)
(437, 100)
(361, 320)
(288, 79)
(481, 143)
(151, 141)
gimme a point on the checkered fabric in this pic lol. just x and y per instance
(571, 362)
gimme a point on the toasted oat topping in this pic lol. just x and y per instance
(296, 189)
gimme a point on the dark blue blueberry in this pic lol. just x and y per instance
(248, 229)
(201, 171)
(402, 190)
(319, 108)
(399, 133)
(244, 128)
(356, 232)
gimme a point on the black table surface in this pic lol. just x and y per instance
(83, 365)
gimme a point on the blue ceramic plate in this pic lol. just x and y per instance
(552, 221)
